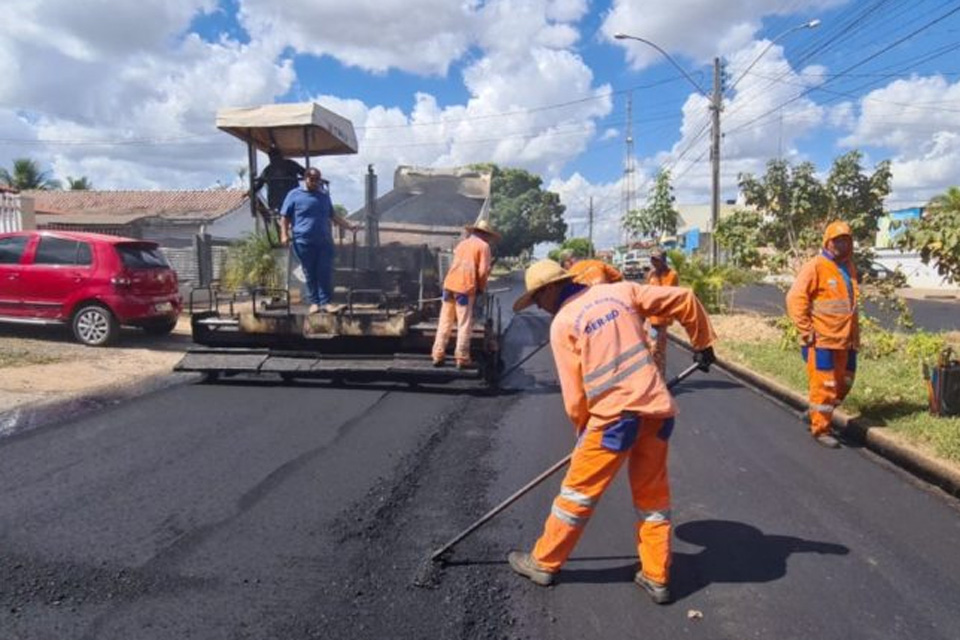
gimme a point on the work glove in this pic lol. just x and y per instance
(704, 358)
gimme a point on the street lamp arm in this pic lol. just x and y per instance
(813, 24)
(624, 36)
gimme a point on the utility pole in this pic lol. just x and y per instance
(590, 218)
(716, 106)
(627, 190)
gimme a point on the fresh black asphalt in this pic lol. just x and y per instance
(258, 510)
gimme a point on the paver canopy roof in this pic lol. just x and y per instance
(298, 130)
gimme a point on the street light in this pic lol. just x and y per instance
(716, 106)
(813, 24)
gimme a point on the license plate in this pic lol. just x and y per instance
(163, 307)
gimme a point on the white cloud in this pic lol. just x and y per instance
(916, 119)
(698, 29)
(422, 36)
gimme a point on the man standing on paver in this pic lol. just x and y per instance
(309, 212)
(620, 407)
(466, 279)
(822, 303)
(661, 275)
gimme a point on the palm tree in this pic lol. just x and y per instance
(948, 201)
(79, 184)
(27, 175)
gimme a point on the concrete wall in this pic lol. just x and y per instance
(16, 213)
(919, 275)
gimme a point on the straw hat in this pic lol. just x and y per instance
(537, 276)
(484, 226)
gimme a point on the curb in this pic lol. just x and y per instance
(851, 428)
(20, 420)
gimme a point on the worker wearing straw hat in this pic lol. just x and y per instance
(466, 279)
(620, 407)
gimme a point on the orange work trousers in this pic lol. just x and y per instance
(831, 373)
(457, 309)
(658, 346)
(595, 461)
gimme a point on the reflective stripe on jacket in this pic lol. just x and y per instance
(591, 272)
(668, 278)
(600, 347)
(823, 302)
(470, 267)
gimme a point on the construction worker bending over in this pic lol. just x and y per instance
(620, 406)
(661, 275)
(589, 271)
(822, 303)
(466, 279)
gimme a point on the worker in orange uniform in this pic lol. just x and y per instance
(620, 407)
(661, 275)
(466, 279)
(822, 303)
(588, 271)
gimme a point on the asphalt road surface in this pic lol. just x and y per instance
(931, 315)
(252, 510)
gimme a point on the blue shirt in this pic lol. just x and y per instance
(311, 213)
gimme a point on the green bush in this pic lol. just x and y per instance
(252, 263)
(875, 341)
(925, 347)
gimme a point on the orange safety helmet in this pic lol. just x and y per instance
(836, 229)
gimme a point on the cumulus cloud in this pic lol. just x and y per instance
(915, 118)
(718, 27)
(150, 99)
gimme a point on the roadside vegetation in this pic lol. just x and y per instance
(889, 391)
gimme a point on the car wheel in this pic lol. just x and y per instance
(161, 328)
(95, 326)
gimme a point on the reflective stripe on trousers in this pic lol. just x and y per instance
(592, 469)
(831, 376)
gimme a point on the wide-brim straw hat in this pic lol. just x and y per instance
(537, 276)
(484, 226)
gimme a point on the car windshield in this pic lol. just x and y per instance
(142, 256)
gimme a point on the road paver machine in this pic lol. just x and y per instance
(386, 299)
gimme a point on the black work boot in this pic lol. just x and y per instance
(524, 564)
(659, 593)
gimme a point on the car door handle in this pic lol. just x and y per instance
(13, 276)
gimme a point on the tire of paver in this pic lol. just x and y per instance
(94, 325)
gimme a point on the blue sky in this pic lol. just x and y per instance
(539, 84)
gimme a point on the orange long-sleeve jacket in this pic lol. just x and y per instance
(470, 268)
(591, 272)
(668, 278)
(822, 303)
(600, 346)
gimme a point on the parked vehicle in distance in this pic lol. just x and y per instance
(91, 282)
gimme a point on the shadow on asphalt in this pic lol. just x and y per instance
(694, 385)
(733, 552)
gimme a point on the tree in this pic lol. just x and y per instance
(937, 234)
(792, 201)
(796, 206)
(79, 184)
(27, 175)
(740, 235)
(580, 247)
(522, 211)
(659, 218)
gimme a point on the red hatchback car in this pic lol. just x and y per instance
(94, 283)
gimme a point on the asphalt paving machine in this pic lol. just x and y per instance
(386, 299)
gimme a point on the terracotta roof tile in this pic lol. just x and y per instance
(187, 205)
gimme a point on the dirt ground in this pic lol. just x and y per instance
(39, 364)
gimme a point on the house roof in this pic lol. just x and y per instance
(433, 197)
(122, 207)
